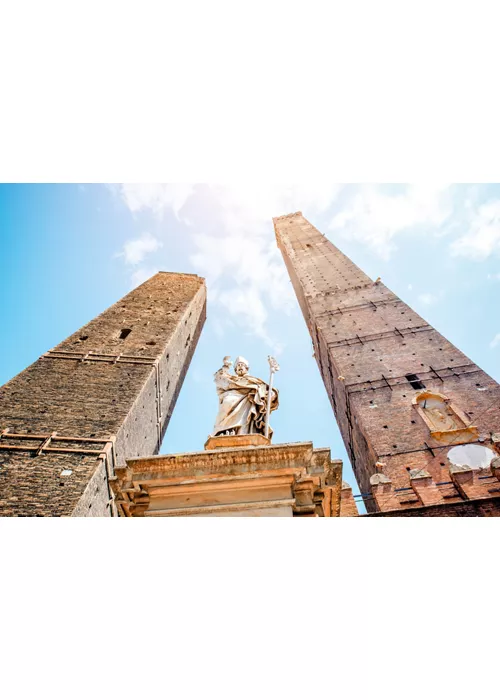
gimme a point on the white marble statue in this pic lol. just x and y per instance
(243, 400)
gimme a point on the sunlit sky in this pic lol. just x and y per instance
(70, 251)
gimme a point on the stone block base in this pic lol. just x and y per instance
(223, 441)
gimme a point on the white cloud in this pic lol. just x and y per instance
(266, 201)
(495, 341)
(245, 276)
(243, 266)
(142, 274)
(156, 197)
(410, 287)
(376, 218)
(494, 276)
(136, 250)
(483, 235)
(239, 257)
(251, 207)
(246, 304)
(427, 298)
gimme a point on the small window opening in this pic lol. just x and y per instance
(415, 381)
(124, 333)
(84, 337)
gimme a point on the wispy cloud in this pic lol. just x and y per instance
(245, 277)
(244, 269)
(376, 218)
(142, 274)
(135, 251)
(495, 341)
(234, 248)
(483, 234)
(253, 206)
(157, 198)
(427, 298)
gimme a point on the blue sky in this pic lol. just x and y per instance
(70, 251)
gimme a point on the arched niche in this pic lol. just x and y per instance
(446, 422)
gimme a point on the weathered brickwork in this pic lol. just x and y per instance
(114, 382)
(486, 508)
(348, 507)
(368, 344)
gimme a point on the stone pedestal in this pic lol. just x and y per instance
(236, 479)
(224, 441)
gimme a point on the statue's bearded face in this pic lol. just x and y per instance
(241, 369)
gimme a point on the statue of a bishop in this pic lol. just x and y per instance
(243, 400)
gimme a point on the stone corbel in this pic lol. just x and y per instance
(140, 504)
(327, 502)
(468, 483)
(303, 492)
(463, 477)
(425, 487)
(495, 467)
(495, 440)
(383, 492)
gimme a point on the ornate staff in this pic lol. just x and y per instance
(274, 366)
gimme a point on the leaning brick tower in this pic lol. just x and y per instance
(103, 395)
(420, 421)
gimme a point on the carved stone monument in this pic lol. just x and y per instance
(245, 403)
(240, 473)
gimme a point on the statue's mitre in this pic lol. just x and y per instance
(242, 360)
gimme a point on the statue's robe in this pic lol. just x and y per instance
(242, 404)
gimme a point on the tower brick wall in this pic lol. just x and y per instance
(370, 346)
(103, 395)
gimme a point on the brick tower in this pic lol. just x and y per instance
(420, 421)
(103, 395)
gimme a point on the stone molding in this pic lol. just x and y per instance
(288, 479)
